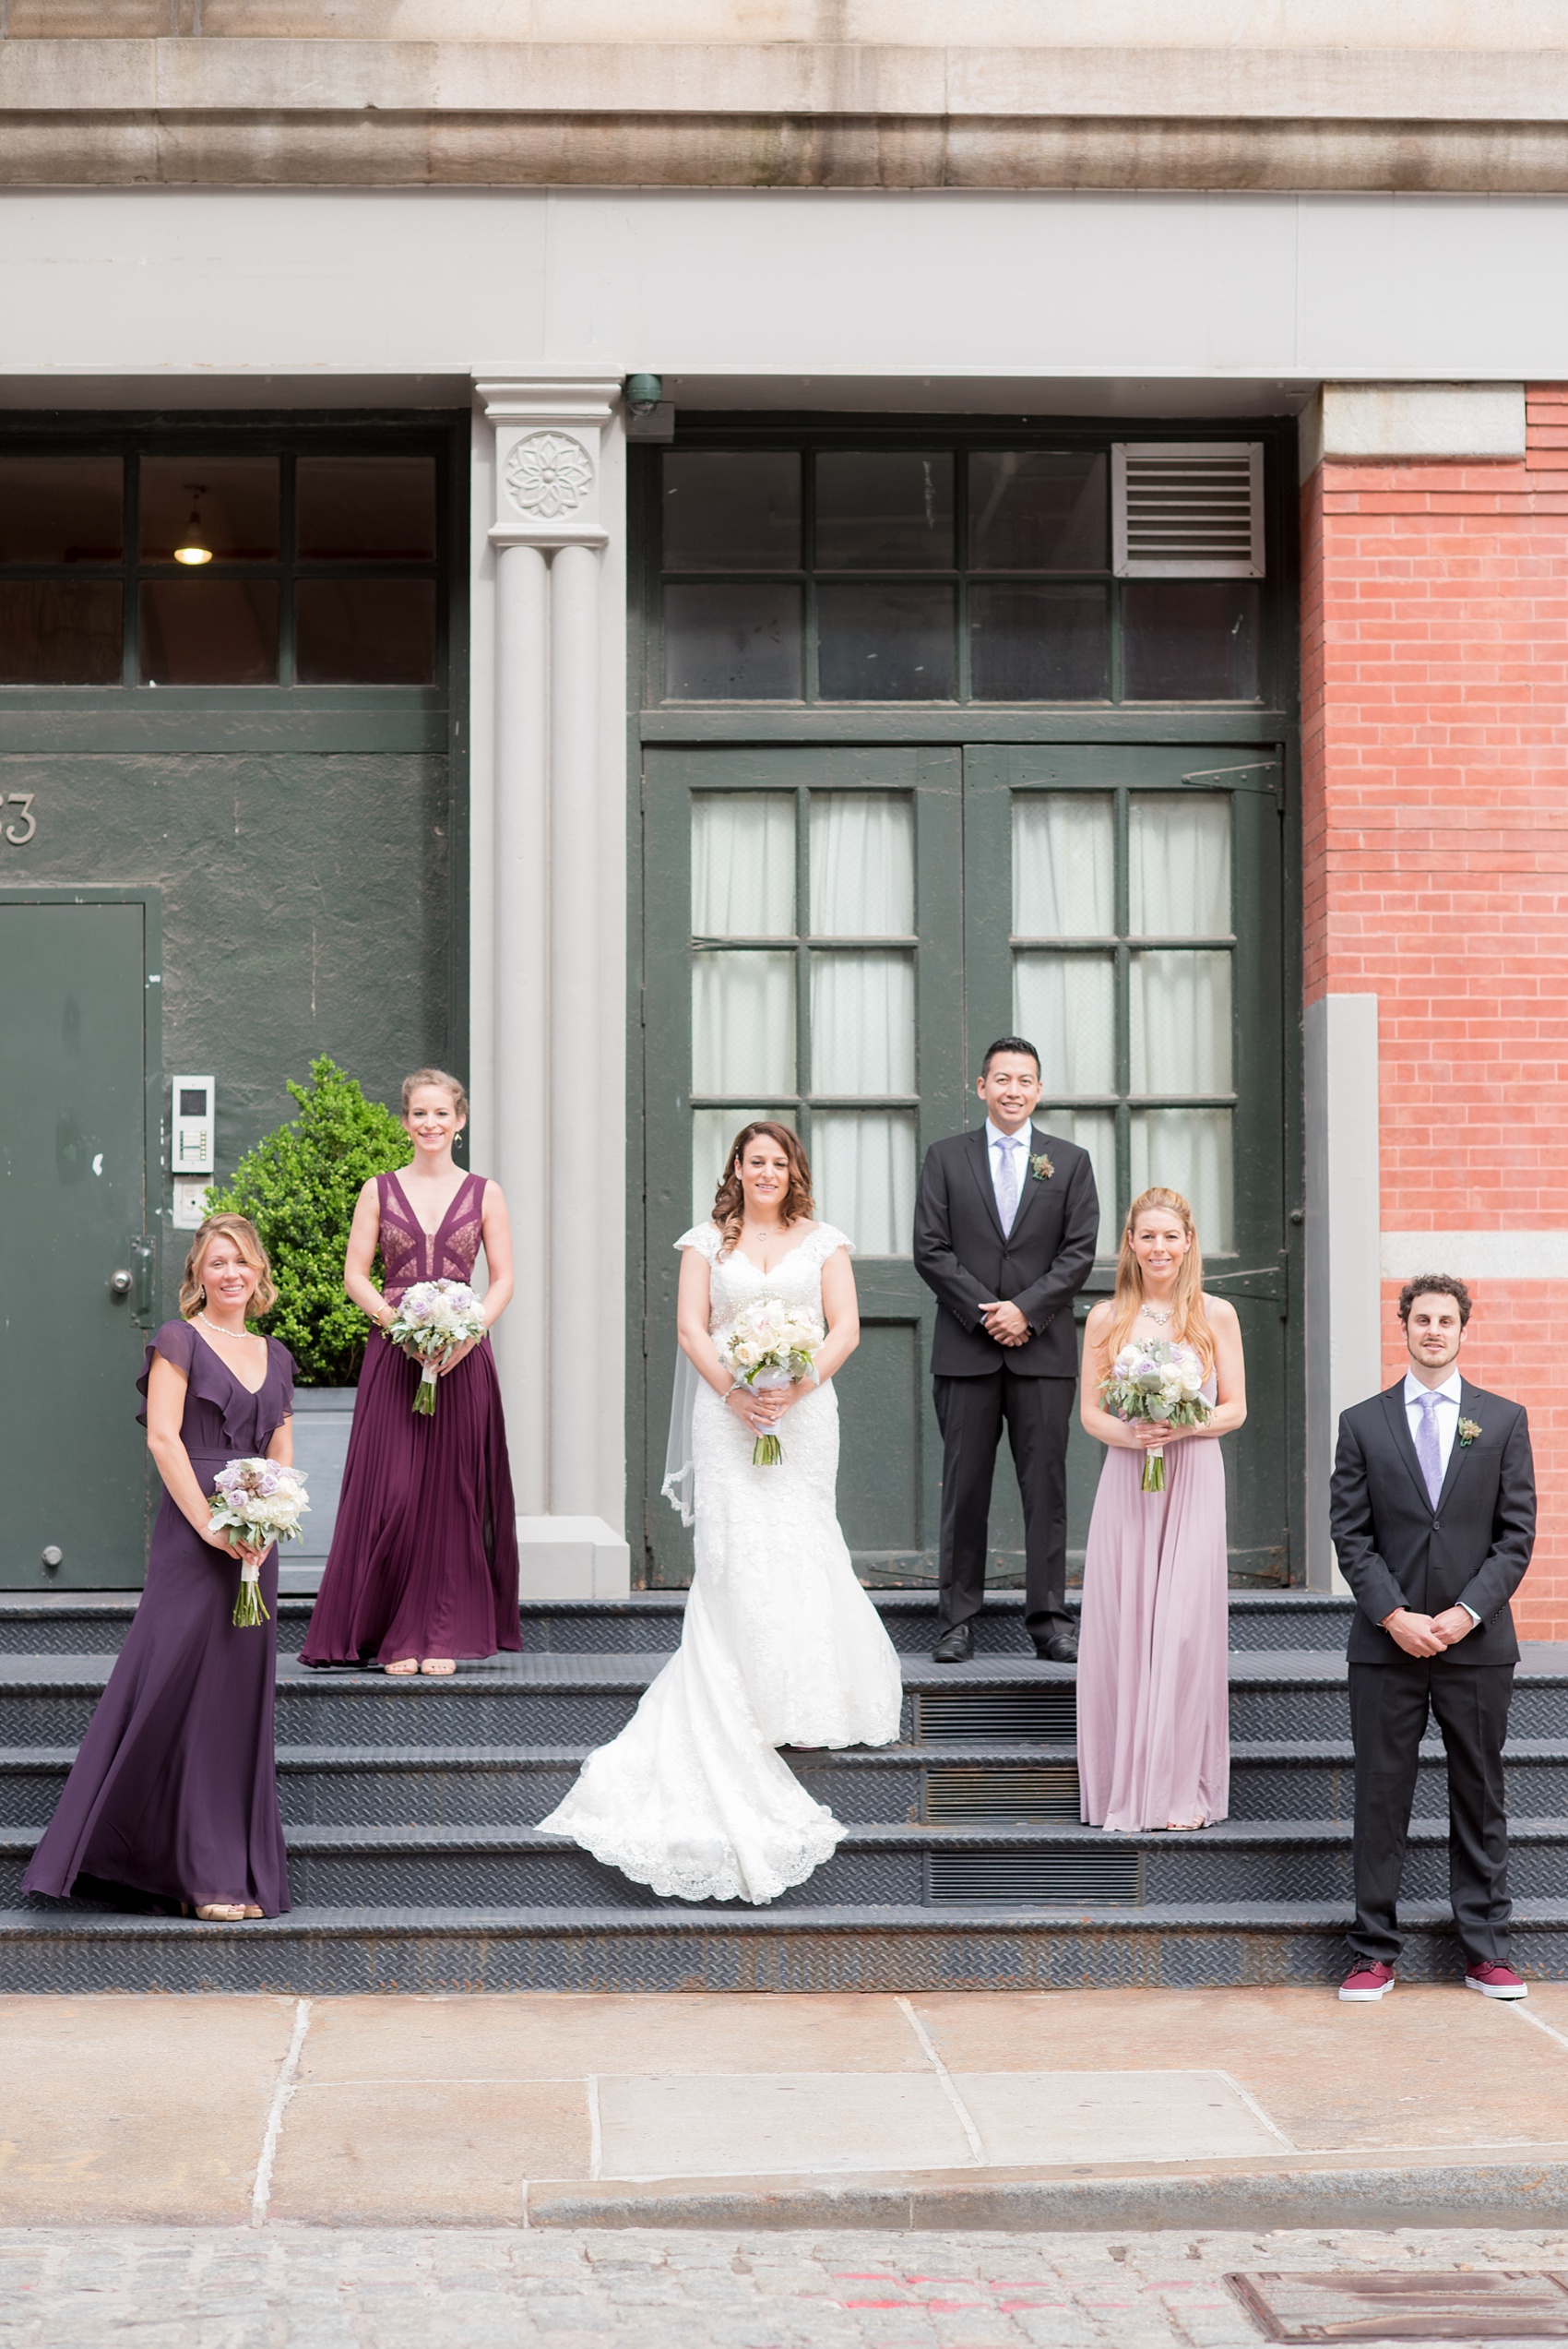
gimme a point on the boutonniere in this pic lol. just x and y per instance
(1041, 1167)
(1469, 1431)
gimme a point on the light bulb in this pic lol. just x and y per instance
(193, 547)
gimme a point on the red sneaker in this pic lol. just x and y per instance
(1371, 1979)
(1495, 1982)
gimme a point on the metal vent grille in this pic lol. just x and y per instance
(1048, 1790)
(1187, 509)
(996, 1716)
(1035, 1879)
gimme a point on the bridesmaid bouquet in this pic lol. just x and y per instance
(433, 1319)
(1161, 1384)
(262, 1502)
(771, 1344)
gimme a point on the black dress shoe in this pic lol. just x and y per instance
(1060, 1647)
(956, 1646)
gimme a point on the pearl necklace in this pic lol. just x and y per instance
(246, 1334)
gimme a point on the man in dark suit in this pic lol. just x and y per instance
(1006, 1224)
(1433, 1520)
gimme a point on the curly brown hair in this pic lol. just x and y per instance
(730, 1200)
(247, 1239)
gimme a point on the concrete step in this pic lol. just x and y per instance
(882, 1866)
(316, 1952)
(648, 1623)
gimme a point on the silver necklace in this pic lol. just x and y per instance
(1160, 1320)
(216, 1332)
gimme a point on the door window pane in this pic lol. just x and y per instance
(885, 512)
(1187, 1150)
(234, 500)
(365, 632)
(1181, 1024)
(203, 631)
(884, 642)
(732, 643)
(1094, 1130)
(742, 865)
(60, 509)
(1063, 864)
(732, 510)
(743, 1023)
(1030, 643)
(1038, 510)
(1179, 864)
(59, 632)
(1065, 1006)
(713, 1132)
(863, 1176)
(1190, 639)
(864, 1024)
(862, 865)
(349, 508)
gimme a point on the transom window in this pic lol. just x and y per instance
(1122, 948)
(213, 565)
(804, 995)
(919, 574)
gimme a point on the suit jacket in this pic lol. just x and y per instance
(1396, 1550)
(963, 1255)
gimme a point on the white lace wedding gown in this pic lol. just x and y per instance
(780, 1645)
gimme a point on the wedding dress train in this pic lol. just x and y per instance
(779, 1646)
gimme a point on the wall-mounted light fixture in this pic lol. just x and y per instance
(644, 394)
(193, 547)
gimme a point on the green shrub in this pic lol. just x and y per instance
(299, 1187)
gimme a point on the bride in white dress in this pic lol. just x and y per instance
(780, 1645)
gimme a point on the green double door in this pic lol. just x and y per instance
(834, 935)
(77, 1057)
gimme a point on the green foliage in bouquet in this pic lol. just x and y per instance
(299, 1187)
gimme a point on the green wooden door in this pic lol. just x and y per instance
(833, 935)
(76, 1059)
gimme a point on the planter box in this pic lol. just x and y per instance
(323, 1417)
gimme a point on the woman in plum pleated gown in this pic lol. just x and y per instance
(424, 1565)
(1154, 1740)
(173, 1794)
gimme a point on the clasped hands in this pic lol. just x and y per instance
(1427, 1635)
(1006, 1324)
(763, 1407)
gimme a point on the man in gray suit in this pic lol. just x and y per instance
(1006, 1224)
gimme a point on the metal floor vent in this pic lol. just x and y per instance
(1043, 1790)
(1035, 1879)
(999, 1716)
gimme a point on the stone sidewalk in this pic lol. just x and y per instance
(281, 2287)
(1073, 2109)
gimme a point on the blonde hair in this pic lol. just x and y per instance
(247, 1239)
(730, 1200)
(447, 1083)
(1189, 1323)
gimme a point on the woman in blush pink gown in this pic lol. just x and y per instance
(1154, 1740)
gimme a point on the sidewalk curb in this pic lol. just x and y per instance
(1516, 2194)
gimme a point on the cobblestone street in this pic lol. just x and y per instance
(287, 2288)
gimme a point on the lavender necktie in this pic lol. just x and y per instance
(1427, 1451)
(1007, 1184)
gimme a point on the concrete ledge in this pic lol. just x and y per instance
(1473, 421)
(1476, 1256)
(572, 1558)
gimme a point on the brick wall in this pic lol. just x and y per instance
(1435, 816)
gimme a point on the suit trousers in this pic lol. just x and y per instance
(970, 1412)
(1388, 1719)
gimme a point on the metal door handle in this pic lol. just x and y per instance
(119, 1284)
(142, 1259)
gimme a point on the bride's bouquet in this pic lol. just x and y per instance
(772, 1344)
(433, 1319)
(1161, 1384)
(260, 1502)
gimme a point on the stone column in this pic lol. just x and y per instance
(558, 1347)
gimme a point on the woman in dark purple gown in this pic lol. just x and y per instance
(174, 1791)
(424, 1565)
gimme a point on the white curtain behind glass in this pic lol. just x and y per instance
(1094, 1130)
(742, 865)
(1187, 1150)
(863, 1176)
(743, 1023)
(1181, 1024)
(1179, 865)
(1063, 864)
(864, 1024)
(862, 865)
(1065, 1006)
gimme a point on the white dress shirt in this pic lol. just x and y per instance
(1447, 1418)
(998, 1146)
